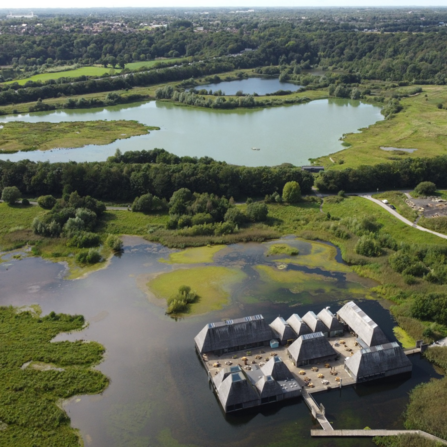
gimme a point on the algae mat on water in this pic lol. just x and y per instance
(196, 255)
(21, 136)
(320, 256)
(212, 284)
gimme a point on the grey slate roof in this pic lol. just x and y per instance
(268, 386)
(276, 368)
(385, 359)
(282, 329)
(235, 390)
(314, 323)
(311, 347)
(298, 325)
(330, 320)
(362, 325)
(224, 373)
(233, 333)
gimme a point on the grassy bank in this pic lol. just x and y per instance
(21, 136)
(420, 125)
(29, 395)
(212, 285)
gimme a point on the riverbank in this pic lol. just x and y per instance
(21, 136)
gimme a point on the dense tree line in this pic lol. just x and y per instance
(397, 175)
(125, 181)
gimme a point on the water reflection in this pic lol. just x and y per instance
(159, 395)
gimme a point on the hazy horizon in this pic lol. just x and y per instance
(45, 4)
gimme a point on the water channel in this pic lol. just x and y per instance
(159, 394)
(287, 134)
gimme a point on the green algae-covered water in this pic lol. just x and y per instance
(289, 134)
(159, 394)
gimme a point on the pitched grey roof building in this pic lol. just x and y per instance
(276, 368)
(365, 328)
(234, 335)
(378, 361)
(224, 373)
(269, 389)
(314, 323)
(298, 325)
(236, 393)
(311, 348)
(331, 322)
(282, 330)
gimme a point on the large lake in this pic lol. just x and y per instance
(159, 394)
(289, 134)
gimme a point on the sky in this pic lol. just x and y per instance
(35, 4)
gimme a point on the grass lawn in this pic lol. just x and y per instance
(420, 125)
(149, 64)
(126, 222)
(83, 71)
(212, 284)
(406, 340)
(18, 136)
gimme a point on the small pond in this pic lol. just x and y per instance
(159, 394)
(261, 86)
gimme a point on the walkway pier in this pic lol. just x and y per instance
(318, 412)
(373, 433)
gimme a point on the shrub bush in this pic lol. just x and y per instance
(115, 243)
(368, 246)
(91, 256)
(257, 211)
(46, 202)
(425, 188)
(84, 239)
(11, 194)
(291, 192)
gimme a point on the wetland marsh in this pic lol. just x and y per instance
(158, 393)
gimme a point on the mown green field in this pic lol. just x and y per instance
(420, 125)
(22, 136)
(83, 71)
(149, 64)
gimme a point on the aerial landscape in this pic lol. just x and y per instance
(223, 224)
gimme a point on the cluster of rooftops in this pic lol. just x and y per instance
(307, 342)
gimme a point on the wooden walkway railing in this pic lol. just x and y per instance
(317, 411)
(373, 433)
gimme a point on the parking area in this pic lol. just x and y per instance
(429, 206)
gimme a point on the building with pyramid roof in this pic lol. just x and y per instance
(311, 348)
(335, 328)
(315, 324)
(377, 362)
(298, 325)
(282, 330)
(368, 332)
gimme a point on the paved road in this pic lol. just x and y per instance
(401, 218)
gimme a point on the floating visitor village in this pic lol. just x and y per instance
(252, 363)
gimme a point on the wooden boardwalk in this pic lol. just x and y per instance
(317, 412)
(372, 433)
(412, 351)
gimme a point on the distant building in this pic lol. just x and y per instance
(21, 16)
(315, 324)
(298, 325)
(283, 331)
(368, 332)
(311, 348)
(377, 362)
(234, 335)
(331, 322)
